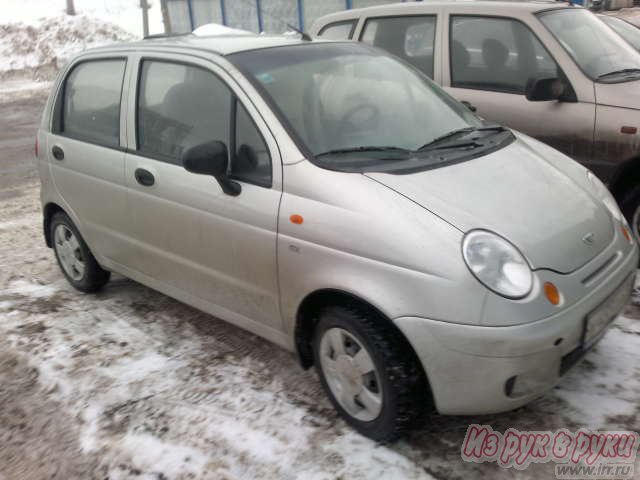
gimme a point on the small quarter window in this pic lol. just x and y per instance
(251, 161)
(338, 30)
(90, 109)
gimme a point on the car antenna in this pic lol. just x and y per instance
(303, 35)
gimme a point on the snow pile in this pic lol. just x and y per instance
(39, 50)
(124, 13)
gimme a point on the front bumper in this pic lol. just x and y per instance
(481, 370)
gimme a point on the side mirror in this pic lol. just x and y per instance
(544, 89)
(211, 158)
(469, 105)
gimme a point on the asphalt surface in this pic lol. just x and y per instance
(84, 379)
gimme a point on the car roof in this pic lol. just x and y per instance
(489, 5)
(486, 7)
(220, 44)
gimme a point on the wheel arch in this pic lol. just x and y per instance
(626, 177)
(310, 308)
(50, 209)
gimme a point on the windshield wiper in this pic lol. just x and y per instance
(618, 72)
(454, 133)
(372, 148)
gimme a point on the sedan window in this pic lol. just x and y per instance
(90, 107)
(180, 106)
(411, 38)
(498, 54)
(599, 52)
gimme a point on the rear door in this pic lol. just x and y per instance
(488, 62)
(85, 150)
(191, 239)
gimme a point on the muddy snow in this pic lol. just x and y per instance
(128, 383)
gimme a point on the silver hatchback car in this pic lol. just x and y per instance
(334, 200)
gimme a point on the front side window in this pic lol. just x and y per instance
(338, 30)
(599, 52)
(349, 105)
(90, 109)
(411, 38)
(497, 54)
(180, 106)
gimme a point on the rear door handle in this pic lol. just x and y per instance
(144, 177)
(57, 152)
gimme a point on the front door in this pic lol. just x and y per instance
(191, 237)
(489, 61)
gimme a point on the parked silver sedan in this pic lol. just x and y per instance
(335, 201)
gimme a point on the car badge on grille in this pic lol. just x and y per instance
(588, 238)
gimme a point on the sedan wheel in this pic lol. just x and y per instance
(74, 257)
(369, 372)
(351, 374)
(69, 252)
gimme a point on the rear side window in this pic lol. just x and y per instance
(497, 54)
(411, 38)
(338, 30)
(180, 106)
(90, 109)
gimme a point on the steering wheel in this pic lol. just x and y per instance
(361, 116)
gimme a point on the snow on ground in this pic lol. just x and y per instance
(130, 384)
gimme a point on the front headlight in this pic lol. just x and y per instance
(497, 264)
(602, 192)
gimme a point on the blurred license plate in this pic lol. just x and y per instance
(607, 311)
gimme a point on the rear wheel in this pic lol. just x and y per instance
(369, 372)
(74, 257)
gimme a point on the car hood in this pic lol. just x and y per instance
(516, 193)
(625, 95)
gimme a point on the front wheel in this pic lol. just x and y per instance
(369, 372)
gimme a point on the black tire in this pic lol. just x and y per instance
(630, 205)
(405, 389)
(94, 276)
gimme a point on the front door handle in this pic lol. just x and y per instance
(144, 177)
(57, 152)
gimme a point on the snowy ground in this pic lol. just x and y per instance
(130, 384)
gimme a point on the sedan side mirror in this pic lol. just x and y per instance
(544, 89)
(211, 158)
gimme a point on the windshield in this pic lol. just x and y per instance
(347, 100)
(597, 50)
(629, 32)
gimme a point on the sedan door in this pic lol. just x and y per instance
(488, 62)
(193, 241)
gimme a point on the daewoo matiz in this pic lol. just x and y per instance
(332, 199)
